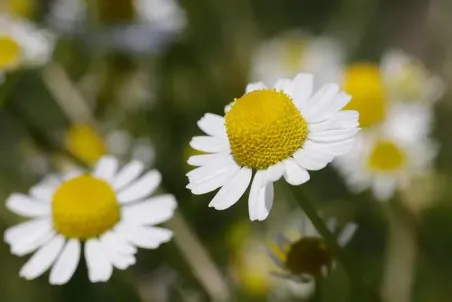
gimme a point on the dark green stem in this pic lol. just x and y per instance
(318, 290)
(331, 242)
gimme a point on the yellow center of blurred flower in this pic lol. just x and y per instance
(85, 143)
(10, 52)
(84, 207)
(264, 127)
(21, 8)
(363, 81)
(308, 256)
(386, 156)
(294, 55)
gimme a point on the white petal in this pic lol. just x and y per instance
(341, 120)
(32, 241)
(142, 188)
(205, 159)
(99, 267)
(332, 149)
(383, 188)
(106, 168)
(333, 135)
(339, 101)
(319, 102)
(127, 174)
(152, 211)
(311, 160)
(204, 173)
(30, 228)
(120, 261)
(347, 234)
(72, 174)
(44, 192)
(118, 243)
(66, 264)
(303, 86)
(25, 206)
(231, 192)
(275, 172)
(217, 179)
(213, 125)
(144, 237)
(284, 85)
(294, 174)
(255, 86)
(260, 199)
(210, 144)
(42, 259)
(331, 224)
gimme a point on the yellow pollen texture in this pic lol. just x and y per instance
(85, 143)
(264, 127)
(84, 207)
(10, 52)
(363, 81)
(386, 156)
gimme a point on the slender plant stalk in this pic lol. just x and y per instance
(318, 295)
(331, 242)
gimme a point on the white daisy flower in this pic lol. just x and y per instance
(281, 131)
(109, 210)
(293, 52)
(408, 80)
(387, 158)
(23, 45)
(307, 256)
(165, 15)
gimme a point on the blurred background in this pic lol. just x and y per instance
(132, 77)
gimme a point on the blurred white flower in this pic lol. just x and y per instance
(109, 210)
(408, 80)
(387, 158)
(293, 52)
(22, 44)
(67, 15)
(165, 15)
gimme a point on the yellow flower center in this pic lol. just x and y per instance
(363, 81)
(21, 8)
(85, 143)
(264, 127)
(10, 52)
(386, 156)
(307, 256)
(84, 207)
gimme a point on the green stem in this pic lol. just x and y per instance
(331, 242)
(318, 290)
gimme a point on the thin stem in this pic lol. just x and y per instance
(331, 242)
(318, 290)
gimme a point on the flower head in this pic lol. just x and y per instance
(109, 210)
(307, 256)
(280, 131)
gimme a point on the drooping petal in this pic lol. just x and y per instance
(260, 199)
(66, 264)
(43, 259)
(312, 160)
(231, 192)
(294, 174)
(99, 266)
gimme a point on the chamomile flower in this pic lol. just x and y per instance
(281, 131)
(293, 52)
(407, 79)
(307, 257)
(389, 157)
(108, 211)
(22, 44)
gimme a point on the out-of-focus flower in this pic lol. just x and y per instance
(389, 157)
(67, 16)
(109, 210)
(165, 15)
(23, 45)
(293, 52)
(407, 79)
(307, 257)
(85, 143)
(280, 131)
